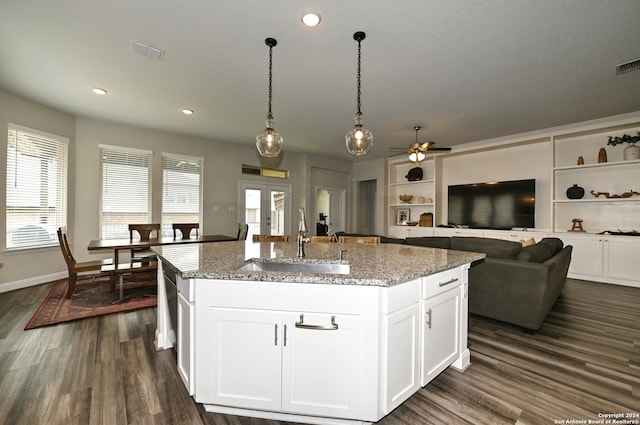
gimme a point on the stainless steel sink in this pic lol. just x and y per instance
(258, 265)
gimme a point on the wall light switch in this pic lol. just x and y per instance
(216, 207)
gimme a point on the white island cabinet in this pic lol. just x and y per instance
(320, 348)
(276, 352)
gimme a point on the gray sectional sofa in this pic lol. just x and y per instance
(515, 284)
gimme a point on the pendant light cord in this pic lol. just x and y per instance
(358, 78)
(270, 115)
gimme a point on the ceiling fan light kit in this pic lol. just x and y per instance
(418, 151)
(269, 142)
(359, 140)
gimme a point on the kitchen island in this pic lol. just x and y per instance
(317, 340)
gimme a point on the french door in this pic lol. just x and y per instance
(266, 208)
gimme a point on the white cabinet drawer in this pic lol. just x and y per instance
(440, 282)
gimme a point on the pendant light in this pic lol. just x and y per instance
(416, 155)
(269, 142)
(359, 140)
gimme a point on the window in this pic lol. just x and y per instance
(125, 188)
(181, 190)
(36, 203)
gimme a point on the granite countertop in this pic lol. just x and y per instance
(377, 265)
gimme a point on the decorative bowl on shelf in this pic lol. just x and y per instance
(412, 223)
(406, 198)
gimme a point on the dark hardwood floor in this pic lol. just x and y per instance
(585, 360)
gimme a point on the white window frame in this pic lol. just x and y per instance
(166, 219)
(34, 226)
(133, 196)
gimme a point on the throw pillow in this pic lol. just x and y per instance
(527, 242)
(542, 251)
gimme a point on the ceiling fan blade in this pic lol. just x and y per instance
(439, 149)
(394, 154)
(425, 146)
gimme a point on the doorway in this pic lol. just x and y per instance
(264, 208)
(366, 206)
(330, 210)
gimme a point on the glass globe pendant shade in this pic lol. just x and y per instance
(269, 142)
(358, 140)
(416, 156)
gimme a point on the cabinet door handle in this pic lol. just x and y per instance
(285, 335)
(332, 327)
(275, 334)
(448, 282)
(428, 321)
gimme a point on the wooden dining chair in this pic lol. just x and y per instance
(243, 229)
(321, 239)
(84, 269)
(360, 239)
(145, 232)
(185, 229)
(135, 274)
(270, 238)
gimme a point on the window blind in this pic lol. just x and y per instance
(125, 190)
(36, 191)
(181, 190)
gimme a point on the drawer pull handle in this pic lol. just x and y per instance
(448, 282)
(428, 321)
(332, 327)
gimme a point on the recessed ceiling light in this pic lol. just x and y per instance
(187, 111)
(98, 90)
(311, 19)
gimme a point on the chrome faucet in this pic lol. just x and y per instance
(302, 229)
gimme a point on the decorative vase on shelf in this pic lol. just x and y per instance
(575, 192)
(414, 174)
(602, 155)
(631, 152)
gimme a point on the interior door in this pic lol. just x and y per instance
(265, 208)
(331, 209)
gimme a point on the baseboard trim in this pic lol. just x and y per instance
(32, 281)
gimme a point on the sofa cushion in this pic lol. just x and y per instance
(542, 251)
(443, 242)
(496, 248)
(388, 239)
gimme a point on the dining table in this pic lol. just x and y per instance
(127, 244)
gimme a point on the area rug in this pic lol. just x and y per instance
(92, 299)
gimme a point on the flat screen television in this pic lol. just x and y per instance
(495, 205)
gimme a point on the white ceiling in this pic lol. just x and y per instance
(464, 70)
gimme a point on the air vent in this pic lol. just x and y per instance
(628, 67)
(146, 49)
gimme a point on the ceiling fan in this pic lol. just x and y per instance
(417, 151)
